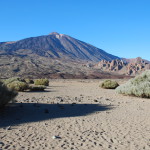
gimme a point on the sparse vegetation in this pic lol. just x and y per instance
(10, 80)
(109, 84)
(29, 81)
(44, 82)
(37, 87)
(139, 86)
(6, 95)
(18, 86)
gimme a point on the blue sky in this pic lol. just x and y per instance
(120, 27)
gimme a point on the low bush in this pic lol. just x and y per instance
(109, 84)
(37, 87)
(29, 81)
(138, 86)
(6, 95)
(44, 82)
(10, 80)
(18, 86)
(2, 80)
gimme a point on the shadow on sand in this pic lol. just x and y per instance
(45, 91)
(20, 113)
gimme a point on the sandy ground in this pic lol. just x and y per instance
(80, 115)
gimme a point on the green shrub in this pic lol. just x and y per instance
(37, 87)
(44, 82)
(29, 81)
(109, 84)
(18, 86)
(10, 80)
(138, 86)
(6, 95)
(2, 80)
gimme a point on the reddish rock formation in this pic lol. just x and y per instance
(128, 66)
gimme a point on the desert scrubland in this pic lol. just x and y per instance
(75, 115)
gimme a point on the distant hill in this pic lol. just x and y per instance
(55, 45)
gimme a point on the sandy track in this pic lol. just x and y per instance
(82, 114)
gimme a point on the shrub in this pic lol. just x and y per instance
(29, 81)
(10, 80)
(18, 86)
(37, 87)
(2, 80)
(109, 84)
(6, 95)
(138, 86)
(44, 82)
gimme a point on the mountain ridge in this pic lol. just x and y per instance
(61, 56)
(56, 45)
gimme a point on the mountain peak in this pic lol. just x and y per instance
(56, 45)
(54, 33)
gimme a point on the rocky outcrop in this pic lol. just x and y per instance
(136, 60)
(131, 67)
(113, 65)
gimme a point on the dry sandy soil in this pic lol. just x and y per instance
(80, 115)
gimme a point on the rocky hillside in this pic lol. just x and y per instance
(41, 67)
(61, 56)
(55, 45)
(124, 66)
(135, 60)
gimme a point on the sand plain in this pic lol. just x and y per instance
(75, 115)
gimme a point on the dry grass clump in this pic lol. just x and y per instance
(44, 82)
(109, 84)
(18, 86)
(139, 86)
(6, 95)
(37, 87)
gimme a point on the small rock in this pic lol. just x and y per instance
(2, 144)
(56, 137)
(58, 126)
(73, 104)
(111, 140)
(95, 100)
(8, 128)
